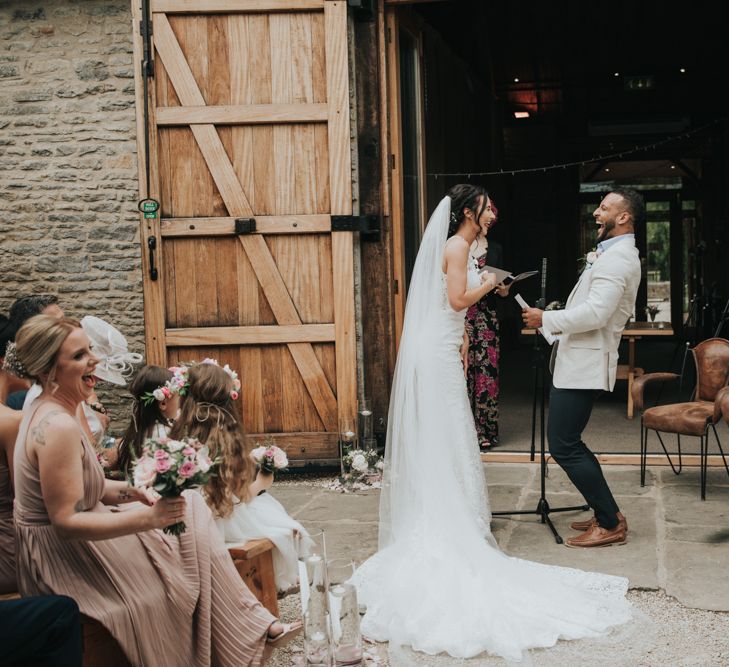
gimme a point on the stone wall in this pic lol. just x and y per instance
(68, 174)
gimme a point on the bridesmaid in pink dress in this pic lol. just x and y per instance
(167, 600)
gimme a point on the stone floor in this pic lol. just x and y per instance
(675, 557)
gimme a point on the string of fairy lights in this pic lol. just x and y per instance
(581, 163)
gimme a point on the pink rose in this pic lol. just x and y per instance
(187, 469)
(161, 454)
(234, 395)
(163, 465)
(166, 392)
(189, 451)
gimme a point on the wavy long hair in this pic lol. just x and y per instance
(144, 417)
(209, 414)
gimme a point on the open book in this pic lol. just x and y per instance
(506, 277)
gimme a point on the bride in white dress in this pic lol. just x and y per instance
(439, 582)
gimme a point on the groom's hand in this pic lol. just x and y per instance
(532, 317)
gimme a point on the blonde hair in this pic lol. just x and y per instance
(38, 342)
(208, 414)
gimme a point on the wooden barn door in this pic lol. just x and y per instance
(250, 158)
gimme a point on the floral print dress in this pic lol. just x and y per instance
(482, 326)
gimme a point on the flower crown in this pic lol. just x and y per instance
(177, 384)
(233, 376)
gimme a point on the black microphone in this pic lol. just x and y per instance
(543, 298)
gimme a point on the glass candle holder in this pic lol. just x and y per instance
(365, 420)
(304, 551)
(346, 636)
(317, 630)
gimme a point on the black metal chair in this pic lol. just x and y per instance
(692, 418)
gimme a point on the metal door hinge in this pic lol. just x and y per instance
(368, 226)
(245, 226)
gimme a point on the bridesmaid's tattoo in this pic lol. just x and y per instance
(79, 506)
(124, 494)
(37, 433)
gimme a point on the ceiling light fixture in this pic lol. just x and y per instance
(607, 168)
(521, 114)
(673, 166)
(682, 70)
(516, 79)
(616, 74)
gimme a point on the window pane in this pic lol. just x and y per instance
(658, 238)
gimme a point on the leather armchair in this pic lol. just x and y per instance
(692, 418)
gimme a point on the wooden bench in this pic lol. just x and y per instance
(254, 562)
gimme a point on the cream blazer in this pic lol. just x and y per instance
(590, 326)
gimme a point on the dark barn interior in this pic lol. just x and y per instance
(549, 105)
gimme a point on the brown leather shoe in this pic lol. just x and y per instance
(597, 536)
(589, 523)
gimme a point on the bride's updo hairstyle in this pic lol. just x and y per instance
(465, 196)
(38, 342)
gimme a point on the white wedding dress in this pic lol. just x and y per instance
(439, 583)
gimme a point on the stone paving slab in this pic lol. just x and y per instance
(676, 542)
(675, 559)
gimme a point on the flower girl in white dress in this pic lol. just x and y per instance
(237, 494)
(156, 392)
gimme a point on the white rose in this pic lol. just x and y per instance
(359, 463)
(257, 453)
(590, 257)
(158, 394)
(279, 459)
(202, 458)
(175, 445)
(144, 472)
(380, 465)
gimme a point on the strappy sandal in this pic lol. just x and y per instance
(290, 632)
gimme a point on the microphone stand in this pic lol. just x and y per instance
(542, 509)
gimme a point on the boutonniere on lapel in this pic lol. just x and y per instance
(586, 261)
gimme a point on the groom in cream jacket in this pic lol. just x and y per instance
(585, 358)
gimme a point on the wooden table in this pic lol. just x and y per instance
(634, 331)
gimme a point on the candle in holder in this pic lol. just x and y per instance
(318, 650)
(348, 436)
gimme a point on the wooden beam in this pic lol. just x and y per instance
(250, 114)
(154, 296)
(235, 6)
(337, 70)
(265, 224)
(714, 460)
(306, 446)
(345, 347)
(251, 335)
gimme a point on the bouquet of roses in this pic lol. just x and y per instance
(360, 461)
(270, 458)
(171, 466)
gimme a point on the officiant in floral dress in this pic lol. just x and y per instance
(482, 328)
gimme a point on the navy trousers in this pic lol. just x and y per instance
(569, 412)
(42, 631)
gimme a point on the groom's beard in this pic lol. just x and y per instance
(604, 231)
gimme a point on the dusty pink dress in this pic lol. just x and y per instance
(8, 583)
(168, 601)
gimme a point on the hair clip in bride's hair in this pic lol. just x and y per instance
(233, 376)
